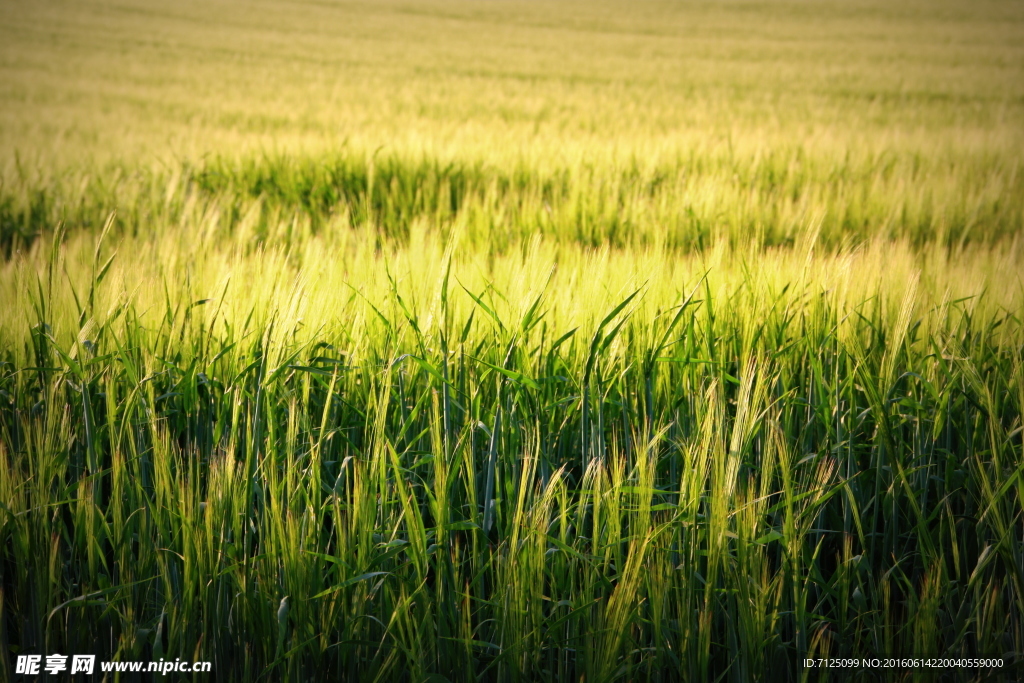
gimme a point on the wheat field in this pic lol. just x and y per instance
(513, 340)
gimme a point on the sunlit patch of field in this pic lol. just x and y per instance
(512, 340)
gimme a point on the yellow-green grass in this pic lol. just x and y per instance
(512, 341)
(121, 78)
(736, 117)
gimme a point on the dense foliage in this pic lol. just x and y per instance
(643, 374)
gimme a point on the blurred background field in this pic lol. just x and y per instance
(512, 340)
(676, 119)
